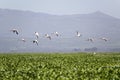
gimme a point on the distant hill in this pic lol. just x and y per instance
(95, 25)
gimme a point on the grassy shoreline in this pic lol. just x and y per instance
(60, 66)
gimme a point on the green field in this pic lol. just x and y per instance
(60, 66)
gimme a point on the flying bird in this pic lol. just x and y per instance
(56, 33)
(48, 36)
(35, 41)
(37, 34)
(105, 39)
(23, 40)
(90, 39)
(78, 34)
(15, 31)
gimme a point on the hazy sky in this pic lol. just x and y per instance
(61, 7)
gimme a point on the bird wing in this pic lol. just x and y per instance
(17, 32)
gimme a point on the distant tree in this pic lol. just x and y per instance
(90, 49)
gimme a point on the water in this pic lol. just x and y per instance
(57, 44)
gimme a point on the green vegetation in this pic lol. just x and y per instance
(60, 66)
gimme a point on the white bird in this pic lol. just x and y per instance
(15, 31)
(37, 34)
(90, 39)
(94, 53)
(23, 40)
(105, 39)
(78, 34)
(48, 36)
(35, 41)
(56, 33)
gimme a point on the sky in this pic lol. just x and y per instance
(64, 7)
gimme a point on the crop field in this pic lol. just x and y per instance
(60, 66)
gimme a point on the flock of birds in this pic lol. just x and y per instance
(91, 39)
(35, 41)
(15, 31)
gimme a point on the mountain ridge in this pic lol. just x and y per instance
(95, 24)
(28, 11)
